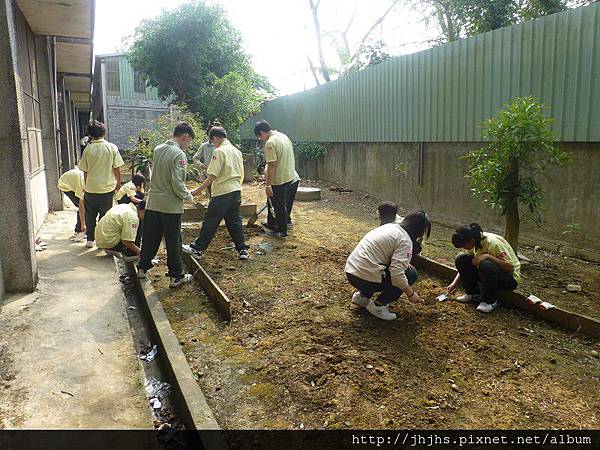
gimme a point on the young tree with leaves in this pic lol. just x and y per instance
(505, 173)
(193, 53)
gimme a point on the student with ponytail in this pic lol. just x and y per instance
(489, 265)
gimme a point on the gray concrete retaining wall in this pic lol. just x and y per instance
(572, 192)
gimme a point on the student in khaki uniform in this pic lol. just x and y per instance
(225, 175)
(282, 178)
(133, 191)
(100, 163)
(489, 261)
(164, 206)
(72, 184)
(118, 232)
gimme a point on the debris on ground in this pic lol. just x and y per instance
(157, 389)
(573, 287)
(150, 355)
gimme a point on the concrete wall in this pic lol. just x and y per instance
(17, 248)
(48, 123)
(572, 192)
(127, 117)
(39, 198)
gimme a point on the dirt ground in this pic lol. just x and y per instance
(297, 354)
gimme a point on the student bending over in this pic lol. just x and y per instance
(118, 232)
(490, 264)
(381, 263)
(130, 192)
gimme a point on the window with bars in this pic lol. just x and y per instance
(31, 98)
(112, 76)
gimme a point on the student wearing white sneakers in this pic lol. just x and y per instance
(381, 263)
(489, 265)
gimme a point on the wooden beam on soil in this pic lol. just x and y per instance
(567, 319)
(196, 214)
(212, 289)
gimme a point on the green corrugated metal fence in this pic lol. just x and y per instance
(126, 81)
(443, 94)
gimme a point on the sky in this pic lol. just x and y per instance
(280, 35)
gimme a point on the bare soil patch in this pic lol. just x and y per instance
(297, 354)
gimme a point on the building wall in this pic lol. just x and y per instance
(571, 192)
(39, 199)
(128, 116)
(17, 250)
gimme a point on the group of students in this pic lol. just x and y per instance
(135, 227)
(381, 263)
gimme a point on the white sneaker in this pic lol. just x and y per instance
(80, 237)
(176, 282)
(468, 298)
(382, 312)
(74, 235)
(360, 300)
(142, 274)
(486, 307)
(89, 244)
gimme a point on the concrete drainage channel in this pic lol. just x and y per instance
(176, 401)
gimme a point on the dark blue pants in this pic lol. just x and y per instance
(389, 292)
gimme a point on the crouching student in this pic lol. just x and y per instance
(225, 174)
(130, 192)
(71, 183)
(489, 265)
(118, 232)
(381, 263)
(416, 224)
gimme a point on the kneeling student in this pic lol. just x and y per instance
(489, 261)
(118, 232)
(381, 263)
(130, 192)
(225, 174)
(72, 183)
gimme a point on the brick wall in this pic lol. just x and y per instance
(127, 117)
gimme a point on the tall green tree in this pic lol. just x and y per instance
(192, 52)
(505, 173)
(463, 18)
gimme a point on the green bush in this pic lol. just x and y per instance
(312, 150)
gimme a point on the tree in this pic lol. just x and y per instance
(141, 151)
(193, 51)
(351, 58)
(505, 172)
(464, 18)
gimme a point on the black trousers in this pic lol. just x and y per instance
(221, 207)
(75, 201)
(389, 292)
(280, 202)
(96, 205)
(291, 197)
(489, 274)
(156, 226)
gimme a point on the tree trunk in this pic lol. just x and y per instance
(511, 230)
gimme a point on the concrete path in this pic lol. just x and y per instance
(66, 353)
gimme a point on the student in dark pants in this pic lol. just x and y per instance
(381, 263)
(225, 174)
(280, 178)
(489, 265)
(164, 206)
(100, 164)
(118, 232)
